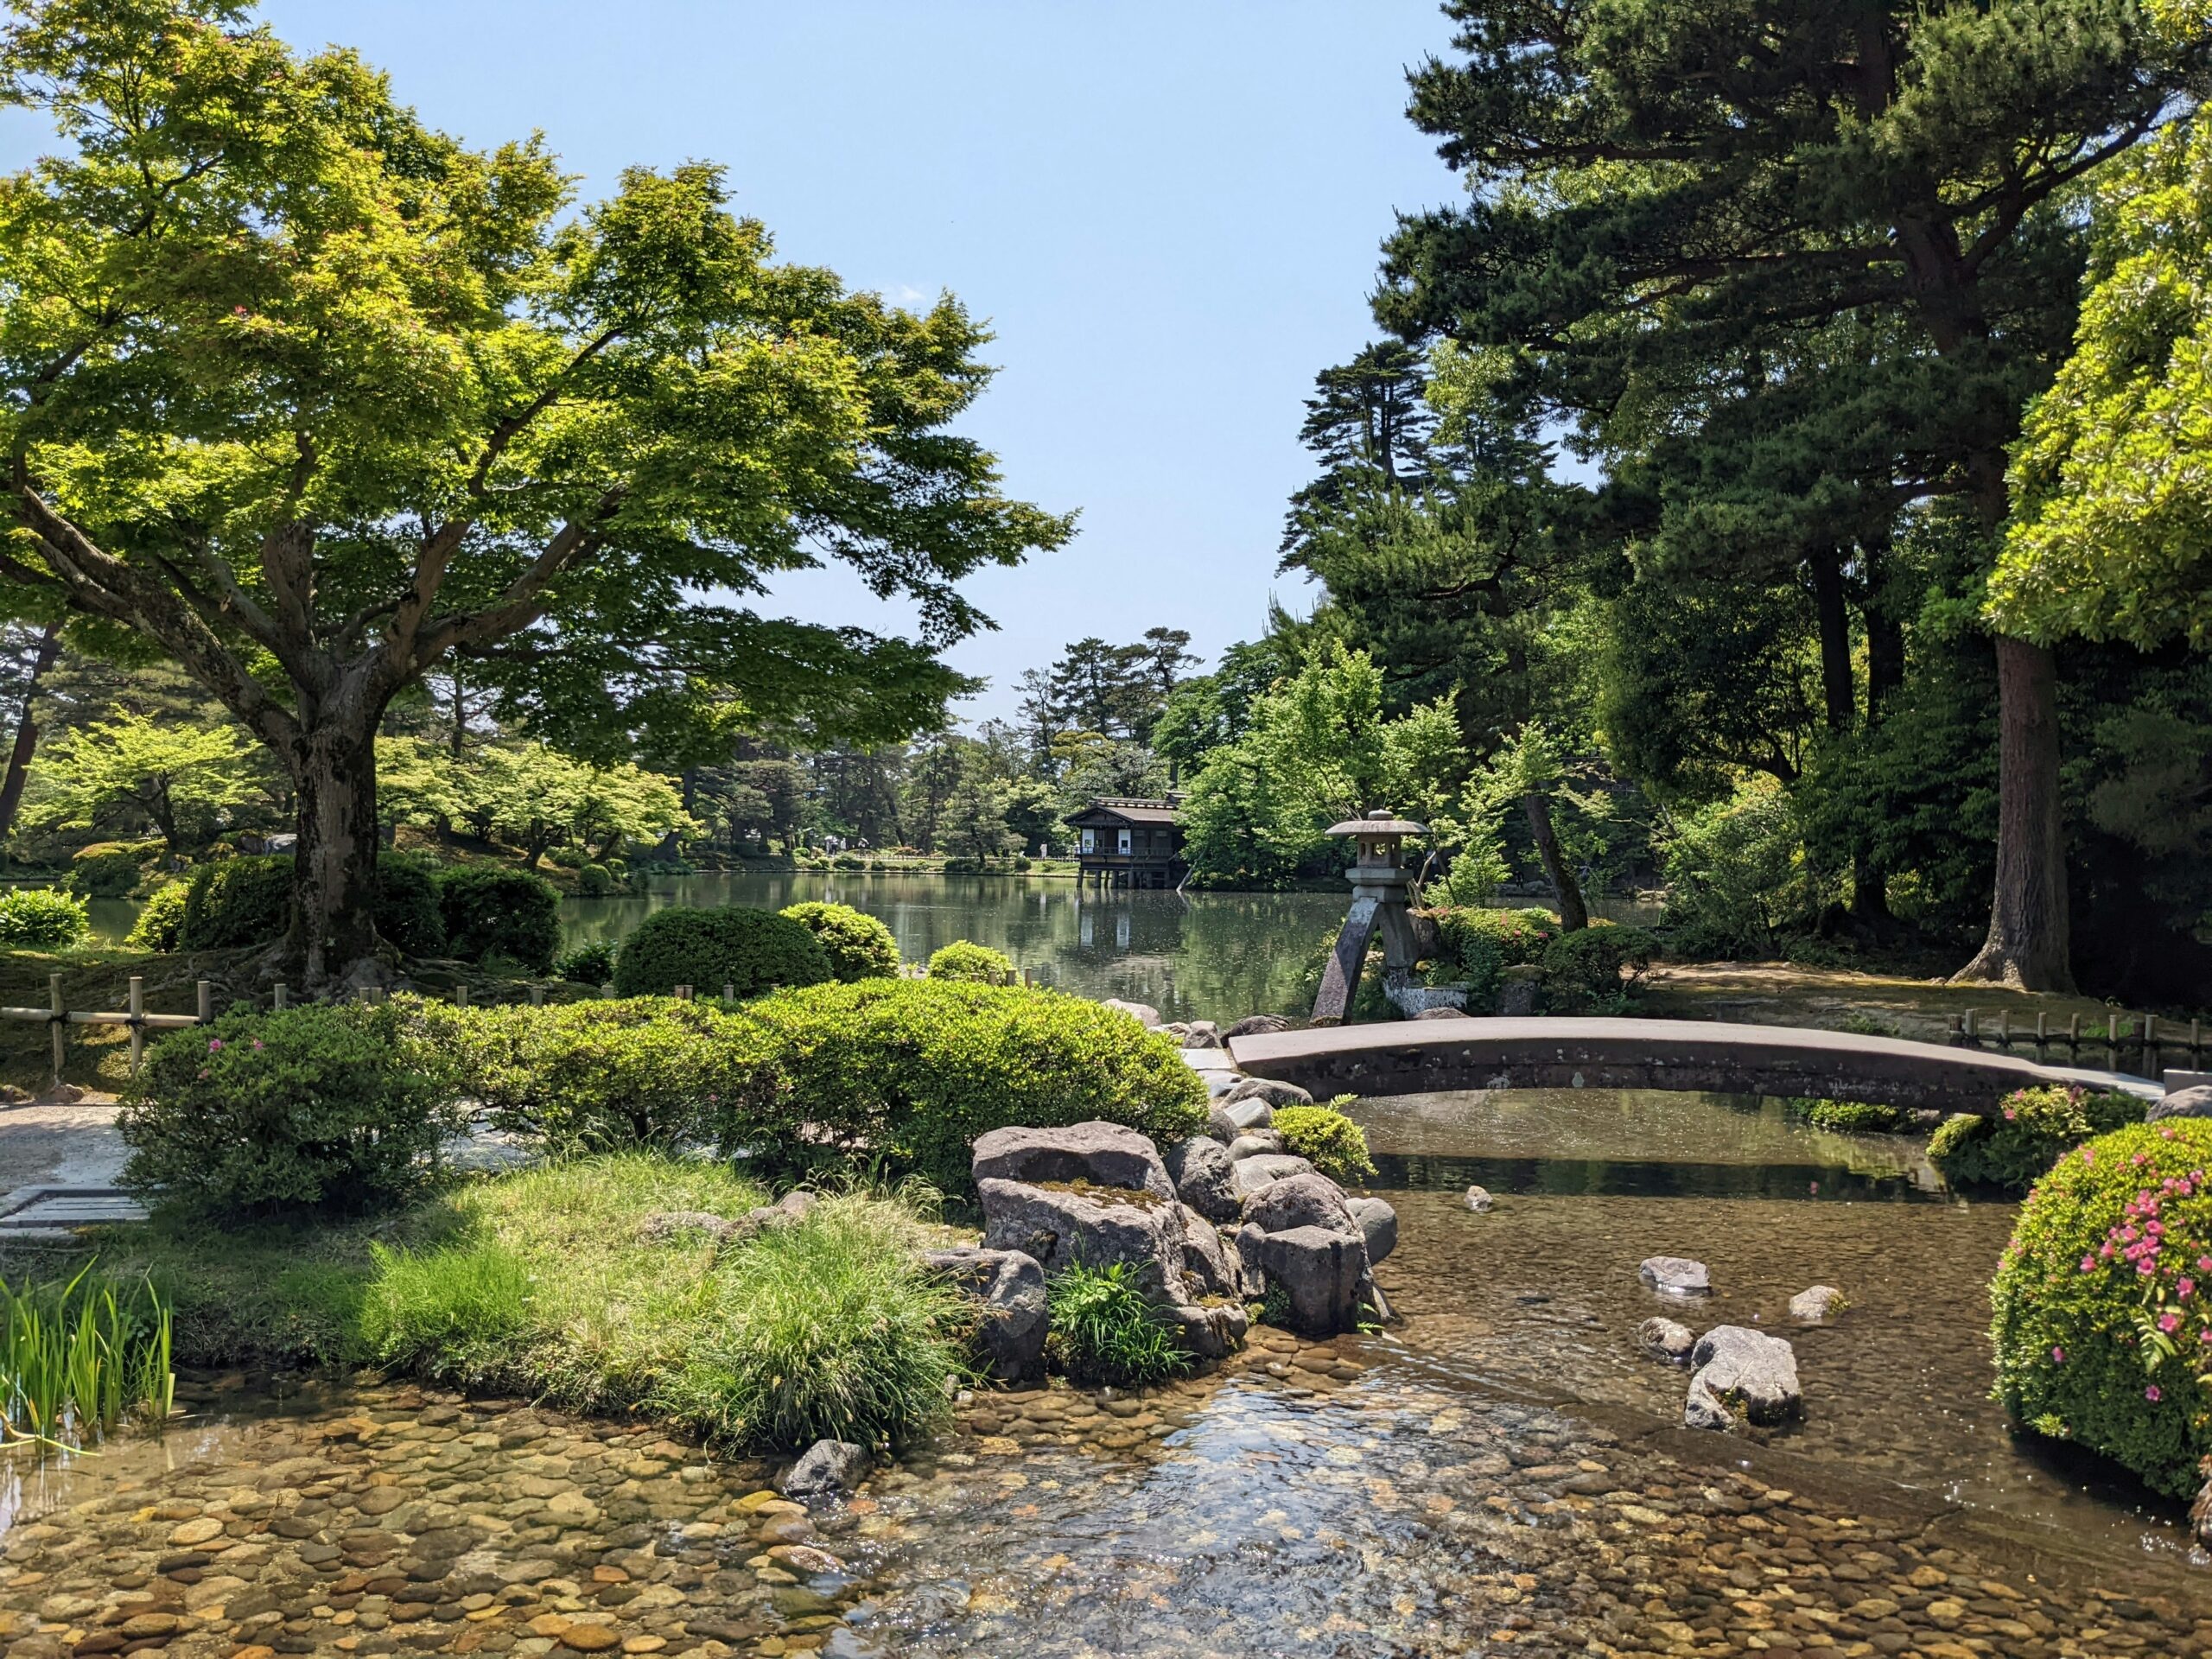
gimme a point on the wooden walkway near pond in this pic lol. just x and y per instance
(1432, 1056)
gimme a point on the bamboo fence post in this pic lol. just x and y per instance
(460, 996)
(2150, 1044)
(1971, 1037)
(207, 1003)
(608, 990)
(59, 1026)
(276, 994)
(2112, 1042)
(538, 996)
(729, 992)
(137, 1021)
(2042, 1033)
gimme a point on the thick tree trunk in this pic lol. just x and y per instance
(2028, 942)
(1834, 624)
(334, 865)
(1572, 912)
(19, 758)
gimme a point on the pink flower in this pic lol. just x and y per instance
(2147, 1266)
(2184, 1287)
(214, 1045)
(2152, 1395)
(2169, 1323)
(2058, 1355)
(2011, 1115)
(257, 1044)
(2204, 1264)
(2088, 1264)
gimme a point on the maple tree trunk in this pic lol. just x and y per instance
(19, 756)
(1572, 912)
(334, 865)
(2028, 946)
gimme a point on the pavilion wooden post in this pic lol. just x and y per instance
(1381, 891)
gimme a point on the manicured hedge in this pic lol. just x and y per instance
(319, 1107)
(2103, 1302)
(2033, 1127)
(750, 950)
(964, 960)
(897, 1076)
(161, 919)
(409, 914)
(40, 919)
(493, 913)
(236, 902)
(1328, 1140)
(1588, 965)
(110, 869)
(858, 945)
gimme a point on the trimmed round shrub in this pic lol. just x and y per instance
(2102, 1327)
(1589, 964)
(41, 918)
(2032, 1128)
(110, 869)
(494, 912)
(1327, 1139)
(750, 950)
(161, 919)
(408, 912)
(963, 960)
(320, 1107)
(897, 1076)
(236, 902)
(858, 945)
(1513, 937)
(588, 964)
(594, 882)
(596, 1076)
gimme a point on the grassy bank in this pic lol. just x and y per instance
(545, 1282)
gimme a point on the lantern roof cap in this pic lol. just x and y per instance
(1380, 822)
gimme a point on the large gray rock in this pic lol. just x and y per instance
(1200, 1169)
(1277, 1095)
(1676, 1275)
(2183, 1103)
(1206, 1258)
(1104, 1155)
(1516, 992)
(1742, 1376)
(826, 1466)
(1194, 1033)
(1010, 1285)
(1378, 1223)
(1665, 1339)
(1250, 1174)
(1257, 1025)
(662, 1225)
(1251, 1282)
(1318, 1273)
(1306, 1199)
(1443, 1014)
(795, 1205)
(1254, 1143)
(1145, 1014)
(1821, 1302)
(1250, 1113)
(1211, 1330)
(1097, 1226)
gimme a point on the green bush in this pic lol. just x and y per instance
(1735, 874)
(1847, 1117)
(858, 945)
(2102, 1302)
(596, 1076)
(1480, 944)
(1328, 1140)
(1587, 965)
(236, 902)
(162, 918)
(316, 1107)
(963, 960)
(492, 914)
(2033, 1127)
(41, 918)
(751, 950)
(1103, 1330)
(111, 869)
(594, 882)
(409, 914)
(848, 861)
(588, 964)
(902, 1075)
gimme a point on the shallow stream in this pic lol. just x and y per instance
(1500, 1473)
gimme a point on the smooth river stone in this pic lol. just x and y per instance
(1676, 1275)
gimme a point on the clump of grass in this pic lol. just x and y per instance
(1105, 1330)
(827, 1328)
(79, 1355)
(456, 1313)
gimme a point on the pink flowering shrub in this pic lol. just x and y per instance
(2031, 1130)
(2103, 1302)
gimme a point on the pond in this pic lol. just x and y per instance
(1204, 956)
(1500, 1471)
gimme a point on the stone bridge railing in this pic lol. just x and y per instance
(1431, 1056)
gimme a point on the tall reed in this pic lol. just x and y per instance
(79, 1355)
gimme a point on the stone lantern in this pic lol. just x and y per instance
(1381, 894)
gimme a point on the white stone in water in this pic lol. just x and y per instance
(1665, 1339)
(1820, 1302)
(1676, 1275)
(1478, 1199)
(1742, 1376)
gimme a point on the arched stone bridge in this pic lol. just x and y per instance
(1429, 1056)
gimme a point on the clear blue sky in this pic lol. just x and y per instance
(1169, 212)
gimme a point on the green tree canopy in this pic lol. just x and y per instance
(182, 779)
(316, 399)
